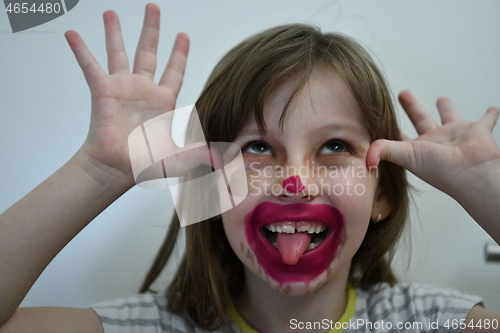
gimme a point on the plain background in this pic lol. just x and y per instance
(434, 48)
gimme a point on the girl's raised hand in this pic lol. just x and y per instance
(448, 156)
(460, 158)
(123, 100)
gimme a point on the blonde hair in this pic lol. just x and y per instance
(210, 275)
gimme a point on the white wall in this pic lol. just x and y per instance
(433, 48)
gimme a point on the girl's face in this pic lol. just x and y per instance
(311, 196)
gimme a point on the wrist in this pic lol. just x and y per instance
(109, 178)
(476, 184)
(479, 196)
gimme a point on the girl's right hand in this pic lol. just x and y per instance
(123, 100)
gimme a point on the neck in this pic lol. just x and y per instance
(268, 310)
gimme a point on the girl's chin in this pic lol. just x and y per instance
(296, 288)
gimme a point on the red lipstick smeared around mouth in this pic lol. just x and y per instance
(311, 263)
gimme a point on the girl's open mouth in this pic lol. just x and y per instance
(294, 242)
(293, 239)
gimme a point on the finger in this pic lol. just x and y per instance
(117, 57)
(89, 65)
(174, 71)
(447, 111)
(422, 121)
(399, 152)
(145, 55)
(490, 118)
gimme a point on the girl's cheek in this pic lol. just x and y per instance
(261, 174)
(258, 161)
(351, 183)
(336, 161)
(340, 176)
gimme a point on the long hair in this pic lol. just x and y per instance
(210, 275)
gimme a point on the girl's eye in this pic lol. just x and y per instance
(257, 147)
(335, 146)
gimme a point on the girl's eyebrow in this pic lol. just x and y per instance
(249, 132)
(343, 127)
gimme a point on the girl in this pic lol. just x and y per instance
(304, 250)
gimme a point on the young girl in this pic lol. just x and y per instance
(309, 247)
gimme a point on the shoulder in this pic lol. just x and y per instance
(413, 303)
(419, 295)
(143, 313)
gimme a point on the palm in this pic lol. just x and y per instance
(125, 102)
(447, 154)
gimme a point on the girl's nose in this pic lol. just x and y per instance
(295, 189)
(293, 185)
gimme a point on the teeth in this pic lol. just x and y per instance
(271, 227)
(312, 246)
(315, 229)
(303, 228)
(290, 227)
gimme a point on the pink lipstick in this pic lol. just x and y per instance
(294, 242)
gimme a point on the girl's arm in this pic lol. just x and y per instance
(39, 225)
(459, 158)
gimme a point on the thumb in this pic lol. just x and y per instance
(401, 153)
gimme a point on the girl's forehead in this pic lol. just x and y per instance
(324, 102)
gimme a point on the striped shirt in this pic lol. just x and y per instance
(381, 308)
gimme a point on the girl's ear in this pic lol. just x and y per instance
(381, 208)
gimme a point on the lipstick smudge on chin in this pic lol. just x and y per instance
(312, 263)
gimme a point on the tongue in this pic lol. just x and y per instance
(292, 246)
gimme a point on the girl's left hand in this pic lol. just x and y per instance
(456, 157)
